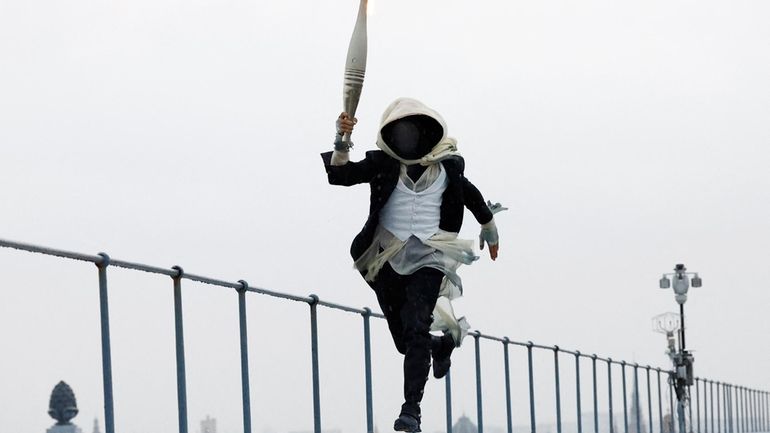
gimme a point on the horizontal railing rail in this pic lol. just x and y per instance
(738, 409)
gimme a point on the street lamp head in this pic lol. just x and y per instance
(681, 284)
(696, 281)
(665, 283)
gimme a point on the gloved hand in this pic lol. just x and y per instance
(344, 125)
(489, 231)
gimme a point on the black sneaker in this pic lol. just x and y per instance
(407, 423)
(441, 352)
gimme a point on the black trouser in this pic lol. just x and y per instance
(407, 302)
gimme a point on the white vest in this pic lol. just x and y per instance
(410, 213)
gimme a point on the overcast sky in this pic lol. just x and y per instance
(625, 137)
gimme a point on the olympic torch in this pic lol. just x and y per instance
(355, 68)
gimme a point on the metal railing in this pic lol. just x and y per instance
(738, 409)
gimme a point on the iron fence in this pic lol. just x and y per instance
(738, 409)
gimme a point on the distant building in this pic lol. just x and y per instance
(464, 425)
(209, 425)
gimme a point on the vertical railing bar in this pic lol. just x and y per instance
(314, 358)
(625, 404)
(660, 404)
(672, 426)
(705, 406)
(753, 394)
(697, 402)
(109, 414)
(479, 407)
(577, 390)
(744, 402)
(596, 400)
(729, 395)
(181, 376)
(532, 419)
(636, 399)
(368, 371)
(448, 394)
(754, 412)
(719, 420)
(245, 390)
(689, 405)
(609, 391)
(711, 404)
(742, 409)
(725, 408)
(508, 408)
(558, 387)
(649, 398)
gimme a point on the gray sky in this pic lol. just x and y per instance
(624, 136)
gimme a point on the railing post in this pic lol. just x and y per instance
(577, 390)
(109, 414)
(609, 388)
(245, 390)
(697, 402)
(671, 400)
(532, 419)
(719, 408)
(508, 408)
(368, 371)
(649, 398)
(705, 406)
(314, 359)
(557, 385)
(625, 403)
(711, 404)
(448, 389)
(479, 407)
(660, 404)
(596, 400)
(636, 399)
(181, 380)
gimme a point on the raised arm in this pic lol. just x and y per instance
(339, 169)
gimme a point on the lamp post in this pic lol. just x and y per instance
(682, 359)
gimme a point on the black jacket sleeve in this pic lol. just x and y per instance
(474, 201)
(472, 198)
(351, 173)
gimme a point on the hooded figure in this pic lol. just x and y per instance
(408, 250)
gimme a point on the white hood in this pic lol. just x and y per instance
(404, 107)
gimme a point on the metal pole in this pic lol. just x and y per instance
(368, 371)
(625, 404)
(558, 387)
(508, 408)
(660, 404)
(577, 389)
(609, 388)
(246, 393)
(719, 408)
(479, 407)
(636, 399)
(532, 419)
(448, 391)
(697, 402)
(181, 381)
(314, 354)
(711, 403)
(649, 398)
(109, 414)
(596, 403)
(705, 406)
(671, 400)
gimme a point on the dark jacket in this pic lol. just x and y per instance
(381, 172)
